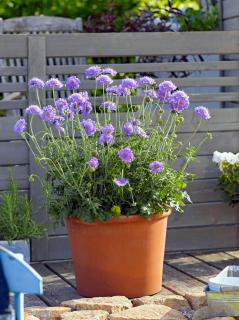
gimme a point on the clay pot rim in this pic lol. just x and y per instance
(125, 219)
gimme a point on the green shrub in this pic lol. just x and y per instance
(16, 220)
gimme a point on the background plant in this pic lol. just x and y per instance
(16, 219)
(107, 164)
(228, 181)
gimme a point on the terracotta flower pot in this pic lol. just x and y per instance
(123, 256)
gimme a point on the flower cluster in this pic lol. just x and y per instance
(229, 157)
(97, 161)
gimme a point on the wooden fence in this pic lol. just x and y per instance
(208, 222)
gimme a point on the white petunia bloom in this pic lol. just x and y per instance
(216, 157)
(229, 157)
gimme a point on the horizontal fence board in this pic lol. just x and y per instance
(204, 214)
(138, 44)
(198, 238)
(148, 67)
(6, 128)
(204, 191)
(230, 9)
(59, 248)
(19, 172)
(203, 167)
(13, 153)
(13, 46)
(13, 104)
(13, 87)
(13, 71)
(21, 193)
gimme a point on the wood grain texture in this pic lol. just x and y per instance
(219, 260)
(19, 172)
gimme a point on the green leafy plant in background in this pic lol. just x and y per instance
(16, 219)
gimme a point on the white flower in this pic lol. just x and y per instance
(232, 158)
(216, 157)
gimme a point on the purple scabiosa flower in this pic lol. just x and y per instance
(78, 98)
(156, 167)
(128, 129)
(151, 94)
(140, 132)
(129, 83)
(72, 83)
(93, 72)
(89, 126)
(62, 106)
(146, 81)
(135, 122)
(93, 163)
(103, 79)
(178, 101)
(108, 129)
(121, 182)
(126, 155)
(86, 108)
(53, 83)
(109, 106)
(106, 139)
(20, 126)
(202, 112)
(59, 128)
(111, 90)
(33, 110)
(36, 83)
(164, 90)
(110, 71)
(122, 91)
(48, 114)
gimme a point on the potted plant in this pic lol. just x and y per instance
(228, 180)
(17, 225)
(112, 176)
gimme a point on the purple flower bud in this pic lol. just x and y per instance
(72, 83)
(78, 98)
(109, 106)
(111, 90)
(33, 110)
(129, 83)
(151, 94)
(202, 112)
(104, 80)
(106, 139)
(89, 126)
(86, 108)
(164, 90)
(110, 71)
(121, 182)
(156, 167)
(178, 101)
(135, 122)
(62, 106)
(53, 83)
(93, 163)
(108, 129)
(93, 72)
(146, 81)
(126, 155)
(140, 132)
(20, 126)
(60, 129)
(48, 114)
(122, 91)
(36, 83)
(128, 129)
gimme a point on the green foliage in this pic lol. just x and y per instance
(16, 221)
(228, 182)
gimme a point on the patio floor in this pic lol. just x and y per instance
(182, 272)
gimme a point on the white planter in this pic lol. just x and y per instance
(18, 246)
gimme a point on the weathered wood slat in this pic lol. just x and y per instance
(155, 44)
(13, 153)
(230, 9)
(218, 260)
(149, 67)
(198, 238)
(13, 46)
(204, 191)
(192, 267)
(13, 104)
(13, 71)
(179, 282)
(58, 248)
(55, 289)
(204, 214)
(21, 192)
(13, 87)
(19, 172)
(234, 253)
(65, 270)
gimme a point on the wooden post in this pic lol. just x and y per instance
(37, 68)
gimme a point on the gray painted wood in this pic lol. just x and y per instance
(36, 68)
(19, 172)
(13, 153)
(218, 260)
